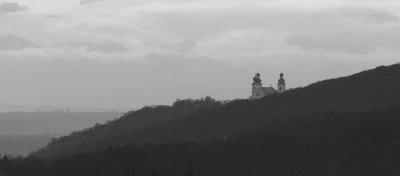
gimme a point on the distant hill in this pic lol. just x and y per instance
(372, 90)
(22, 145)
(5, 107)
(24, 132)
(51, 122)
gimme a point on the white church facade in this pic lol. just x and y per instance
(258, 91)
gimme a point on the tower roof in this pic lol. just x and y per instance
(256, 79)
(281, 80)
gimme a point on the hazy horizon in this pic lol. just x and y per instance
(129, 54)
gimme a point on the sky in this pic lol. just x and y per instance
(133, 53)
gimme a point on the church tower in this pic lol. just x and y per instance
(281, 84)
(256, 91)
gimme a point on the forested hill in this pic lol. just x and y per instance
(373, 90)
(117, 132)
(345, 144)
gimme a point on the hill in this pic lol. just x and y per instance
(348, 144)
(22, 145)
(372, 90)
(332, 130)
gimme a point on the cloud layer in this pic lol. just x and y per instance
(11, 42)
(372, 15)
(83, 2)
(361, 42)
(185, 46)
(11, 7)
(105, 47)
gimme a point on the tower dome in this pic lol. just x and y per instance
(281, 84)
(257, 79)
(281, 80)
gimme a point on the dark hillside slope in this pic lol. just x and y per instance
(114, 133)
(345, 144)
(370, 90)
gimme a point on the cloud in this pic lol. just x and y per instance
(360, 42)
(199, 23)
(83, 2)
(185, 46)
(105, 47)
(52, 16)
(11, 7)
(371, 15)
(178, 70)
(11, 42)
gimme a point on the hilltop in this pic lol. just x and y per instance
(370, 90)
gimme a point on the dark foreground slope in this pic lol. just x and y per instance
(345, 144)
(371, 90)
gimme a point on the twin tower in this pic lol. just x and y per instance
(258, 91)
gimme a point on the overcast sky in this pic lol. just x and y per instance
(131, 53)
